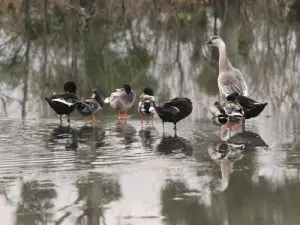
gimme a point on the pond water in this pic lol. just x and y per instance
(117, 173)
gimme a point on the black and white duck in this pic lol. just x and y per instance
(64, 103)
(90, 106)
(250, 107)
(229, 111)
(146, 104)
(174, 110)
(218, 114)
(122, 100)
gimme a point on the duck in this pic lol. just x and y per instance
(230, 79)
(90, 106)
(64, 103)
(122, 100)
(174, 110)
(218, 114)
(230, 112)
(146, 104)
(250, 107)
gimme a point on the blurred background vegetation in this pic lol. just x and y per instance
(104, 43)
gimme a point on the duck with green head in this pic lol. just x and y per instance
(122, 100)
(90, 106)
(146, 104)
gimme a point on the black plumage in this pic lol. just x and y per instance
(64, 103)
(174, 110)
(250, 107)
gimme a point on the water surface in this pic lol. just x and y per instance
(118, 173)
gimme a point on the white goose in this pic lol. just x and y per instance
(230, 79)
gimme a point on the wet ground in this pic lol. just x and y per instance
(118, 173)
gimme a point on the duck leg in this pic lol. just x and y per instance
(229, 126)
(219, 131)
(243, 125)
(60, 119)
(119, 115)
(125, 116)
(85, 120)
(152, 120)
(95, 120)
(175, 129)
(68, 120)
(142, 121)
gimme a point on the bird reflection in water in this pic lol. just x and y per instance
(226, 153)
(148, 136)
(126, 132)
(174, 144)
(91, 136)
(64, 136)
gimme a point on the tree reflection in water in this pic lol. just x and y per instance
(36, 203)
(95, 191)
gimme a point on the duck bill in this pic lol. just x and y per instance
(93, 96)
(142, 95)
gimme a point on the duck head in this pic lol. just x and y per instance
(70, 86)
(215, 41)
(96, 95)
(232, 97)
(147, 93)
(127, 88)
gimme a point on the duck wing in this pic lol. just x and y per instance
(250, 107)
(67, 98)
(88, 106)
(175, 109)
(167, 112)
(233, 81)
(114, 96)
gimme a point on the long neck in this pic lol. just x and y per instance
(224, 63)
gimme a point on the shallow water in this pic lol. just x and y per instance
(118, 173)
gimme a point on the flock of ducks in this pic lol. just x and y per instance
(122, 99)
(234, 106)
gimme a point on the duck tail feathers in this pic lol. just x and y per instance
(47, 99)
(107, 100)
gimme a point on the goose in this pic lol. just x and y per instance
(230, 79)
(250, 107)
(90, 106)
(146, 104)
(174, 110)
(122, 100)
(64, 103)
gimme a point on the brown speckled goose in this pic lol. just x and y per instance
(230, 79)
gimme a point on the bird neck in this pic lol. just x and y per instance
(224, 63)
(99, 100)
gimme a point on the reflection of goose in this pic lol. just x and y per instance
(125, 131)
(148, 135)
(64, 136)
(169, 144)
(227, 152)
(91, 135)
